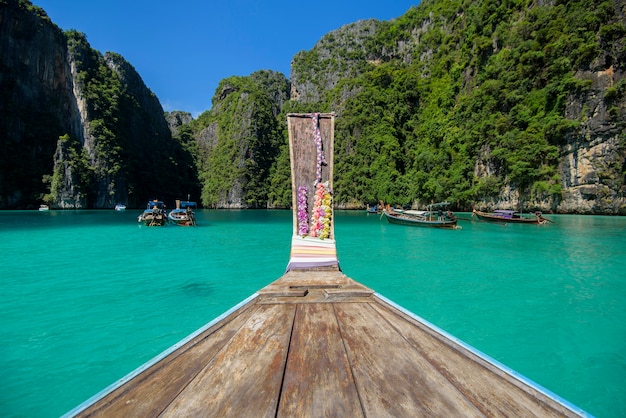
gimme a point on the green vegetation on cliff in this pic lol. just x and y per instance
(83, 122)
(133, 156)
(240, 140)
(491, 87)
(455, 100)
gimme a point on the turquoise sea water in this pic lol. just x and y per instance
(88, 296)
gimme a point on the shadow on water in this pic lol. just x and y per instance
(198, 290)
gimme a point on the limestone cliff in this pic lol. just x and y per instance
(593, 159)
(426, 109)
(240, 139)
(177, 119)
(340, 54)
(79, 129)
(37, 103)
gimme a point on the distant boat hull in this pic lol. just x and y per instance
(423, 221)
(182, 217)
(515, 218)
(152, 219)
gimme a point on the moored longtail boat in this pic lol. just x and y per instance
(317, 343)
(433, 217)
(183, 214)
(154, 214)
(510, 216)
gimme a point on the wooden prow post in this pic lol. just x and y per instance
(311, 150)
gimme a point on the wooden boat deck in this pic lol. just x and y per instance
(317, 343)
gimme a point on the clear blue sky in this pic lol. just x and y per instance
(182, 49)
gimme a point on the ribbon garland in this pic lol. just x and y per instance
(317, 136)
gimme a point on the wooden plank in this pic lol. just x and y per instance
(394, 379)
(318, 381)
(291, 129)
(151, 391)
(323, 286)
(244, 379)
(285, 292)
(314, 279)
(494, 392)
(313, 298)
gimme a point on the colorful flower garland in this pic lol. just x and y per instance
(322, 209)
(303, 215)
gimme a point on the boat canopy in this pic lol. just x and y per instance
(504, 213)
(155, 204)
(187, 204)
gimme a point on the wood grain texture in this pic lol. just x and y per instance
(392, 377)
(312, 355)
(303, 153)
(244, 379)
(152, 391)
(494, 392)
(318, 381)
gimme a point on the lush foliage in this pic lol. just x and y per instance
(244, 140)
(455, 100)
(72, 160)
(473, 102)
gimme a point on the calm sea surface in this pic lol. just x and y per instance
(88, 296)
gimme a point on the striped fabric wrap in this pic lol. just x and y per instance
(309, 252)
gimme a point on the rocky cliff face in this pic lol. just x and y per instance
(593, 160)
(79, 129)
(593, 156)
(241, 139)
(37, 102)
(339, 54)
(176, 119)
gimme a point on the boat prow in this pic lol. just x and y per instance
(317, 343)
